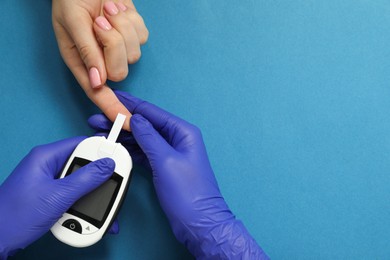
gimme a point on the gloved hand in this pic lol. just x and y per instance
(184, 181)
(32, 200)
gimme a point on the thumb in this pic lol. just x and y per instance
(81, 31)
(151, 142)
(86, 179)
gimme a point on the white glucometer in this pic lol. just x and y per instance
(90, 217)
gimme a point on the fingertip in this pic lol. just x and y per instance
(150, 141)
(126, 125)
(103, 23)
(143, 38)
(94, 78)
(121, 6)
(110, 105)
(119, 73)
(137, 118)
(110, 8)
(128, 100)
(106, 166)
(134, 56)
(138, 121)
(99, 122)
(87, 178)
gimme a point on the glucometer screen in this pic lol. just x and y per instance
(96, 205)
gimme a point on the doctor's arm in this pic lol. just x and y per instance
(185, 183)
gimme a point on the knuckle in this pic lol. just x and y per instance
(116, 41)
(85, 52)
(168, 161)
(36, 151)
(66, 19)
(118, 75)
(195, 130)
(144, 36)
(140, 106)
(133, 57)
(135, 17)
(138, 22)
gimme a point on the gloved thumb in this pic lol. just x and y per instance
(150, 141)
(85, 180)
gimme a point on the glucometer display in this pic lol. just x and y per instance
(96, 205)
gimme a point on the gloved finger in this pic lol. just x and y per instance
(114, 48)
(99, 122)
(180, 134)
(85, 179)
(126, 138)
(159, 118)
(114, 229)
(82, 33)
(105, 134)
(118, 15)
(54, 155)
(151, 142)
(137, 155)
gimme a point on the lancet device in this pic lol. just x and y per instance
(90, 217)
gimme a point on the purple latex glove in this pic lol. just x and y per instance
(184, 181)
(32, 199)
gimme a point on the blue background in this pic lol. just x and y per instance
(293, 98)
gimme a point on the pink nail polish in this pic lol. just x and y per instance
(121, 6)
(103, 23)
(94, 77)
(111, 8)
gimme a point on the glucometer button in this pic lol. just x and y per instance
(73, 225)
(89, 229)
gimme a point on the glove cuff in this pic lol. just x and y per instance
(3, 253)
(227, 240)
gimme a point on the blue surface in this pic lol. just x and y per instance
(293, 98)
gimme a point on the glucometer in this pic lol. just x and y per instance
(90, 217)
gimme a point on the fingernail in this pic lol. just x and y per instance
(103, 23)
(94, 77)
(111, 8)
(121, 6)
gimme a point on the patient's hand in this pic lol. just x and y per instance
(97, 40)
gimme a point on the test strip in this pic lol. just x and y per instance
(116, 128)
